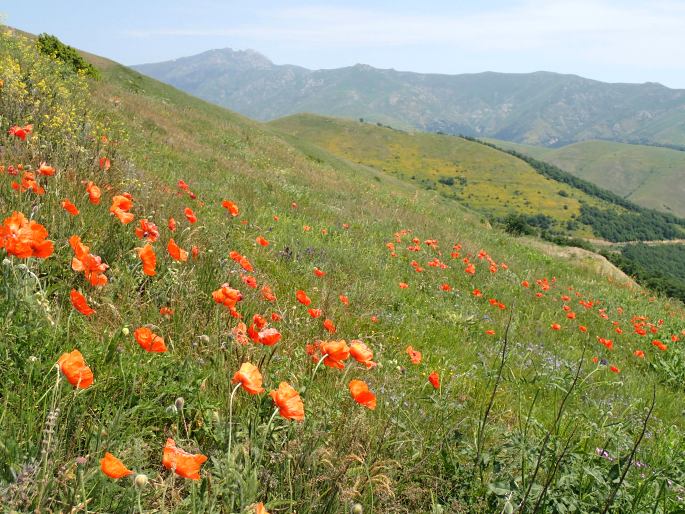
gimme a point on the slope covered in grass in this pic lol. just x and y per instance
(519, 383)
(650, 176)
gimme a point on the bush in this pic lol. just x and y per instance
(49, 45)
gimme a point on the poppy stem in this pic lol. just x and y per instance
(230, 417)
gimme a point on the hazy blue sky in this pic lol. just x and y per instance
(611, 40)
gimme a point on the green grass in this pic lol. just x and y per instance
(471, 446)
(647, 175)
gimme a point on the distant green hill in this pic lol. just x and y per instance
(485, 179)
(536, 108)
(647, 175)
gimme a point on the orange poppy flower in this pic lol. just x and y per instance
(315, 313)
(147, 230)
(446, 287)
(361, 394)
(94, 193)
(288, 401)
(149, 341)
(614, 369)
(105, 163)
(267, 294)
(555, 326)
(149, 258)
(20, 132)
(28, 183)
(319, 273)
(227, 296)
(184, 464)
(80, 304)
(490, 332)
(172, 224)
(190, 215)
(582, 328)
(259, 509)
(176, 252)
(249, 280)
(344, 299)
(276, 317)
(639, 353)
(477, 293)
(335, 352)
(230, 207)
(303, 298)
(329, 326)
(73, 366)
(261, 241)
(113, 467)
(121, 204)
(434, 379)
(414, 355)
(91, 265)
(362, 353)
(404, 285)
(166, 311)
(194, 251)
(269, 336)
(249, 377)
(70, 207)
(45, 170)
(23, 238)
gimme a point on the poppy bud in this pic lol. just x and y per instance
(140, 481)
(179, 403)
(125, 331)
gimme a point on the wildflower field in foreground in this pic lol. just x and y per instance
(195, 316)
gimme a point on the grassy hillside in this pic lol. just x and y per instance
(538, 108)
(530, 413)
(647, 175)
(495, 183)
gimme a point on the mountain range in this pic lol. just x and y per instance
(540, 108)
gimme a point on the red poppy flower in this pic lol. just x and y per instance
(73, 366)
(302, 298)
(230, 207)
(176, 252)
(190, 215)
(184, 464)
(70, 207)
(434, 379)
(362, 353)
(113, 467)
(94, 193)
(319, 273)
(23, 238)
(80, 304)
(414, 355)
(329, 326)
(335, 352)
(91, 265)
(361, 394)
(261, 241)
(249, 377)
(147, 230)
(149, 341)
(120, 206)
(288, 401)
(149, 259)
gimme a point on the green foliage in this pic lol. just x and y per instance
(659, 267)
(50, 45)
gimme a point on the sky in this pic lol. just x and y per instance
(609, 40)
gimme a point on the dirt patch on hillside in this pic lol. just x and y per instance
(585, 258)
